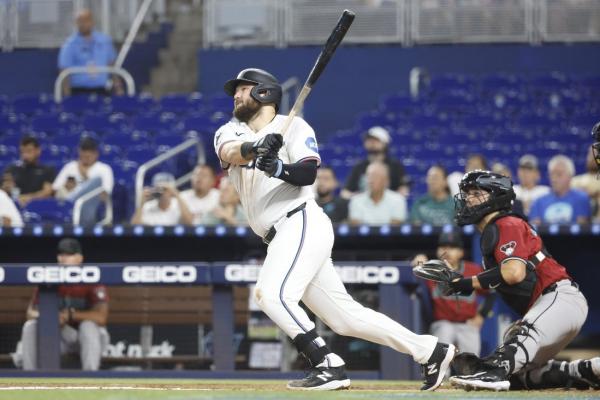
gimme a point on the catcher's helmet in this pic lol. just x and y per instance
(498, 186)
(267, 89)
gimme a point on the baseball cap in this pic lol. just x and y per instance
(379, 133)
(452, 239)
(163, 179)
(528, 161)
(88, 143)
(69, 246)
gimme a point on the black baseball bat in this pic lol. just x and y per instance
(331, 45)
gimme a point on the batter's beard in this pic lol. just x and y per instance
(245, 112)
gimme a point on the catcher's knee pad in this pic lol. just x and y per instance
(308, 346)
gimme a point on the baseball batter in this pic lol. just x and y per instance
(530, 281)
(273, 176)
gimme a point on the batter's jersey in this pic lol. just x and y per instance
(518, 240)
(455, 308)
(266, 200)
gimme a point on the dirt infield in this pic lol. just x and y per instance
(96, 389)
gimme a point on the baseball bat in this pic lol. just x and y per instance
(331, 45)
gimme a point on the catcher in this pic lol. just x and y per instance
(530, 281)
(456, 319)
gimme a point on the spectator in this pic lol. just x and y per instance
(502, 169)
(474, 161)
(202, 198)
(88, 174)
(83, 315)
(229, 210)
(158, 207)
(378, 205)
(457, 320)
(528, 189)
(88, 48)
(335, 207)
(562, 204)
(590, 183)
(9, 214)
(30, 179)
(437, 206)
(376, 143)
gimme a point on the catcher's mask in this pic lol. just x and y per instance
(267, 89)
(499, 188)
(596, 145)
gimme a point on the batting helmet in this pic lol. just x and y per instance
(498, 186)
(267, 89)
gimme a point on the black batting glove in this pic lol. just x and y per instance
(270, 164)
(270, 143)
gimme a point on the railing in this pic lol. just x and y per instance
(143, 169)
(47, 23)
(129, 82)
(299, 22)
(80, 202)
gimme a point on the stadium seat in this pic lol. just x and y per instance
(81, 104)
(32, 104)
(53, 123)
(48, 210)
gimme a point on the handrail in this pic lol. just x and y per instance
(141, 172)
(135, 26)
(286, 87)
(88, 196)
(77, 70)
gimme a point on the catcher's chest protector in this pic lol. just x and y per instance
(516, 296)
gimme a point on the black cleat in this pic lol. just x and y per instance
(322, 378)
(437, 365)
(494, 379)
(587, 373)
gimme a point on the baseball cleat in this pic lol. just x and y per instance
(437, 365)
(494, 379)
(590, 372)
(322, 378)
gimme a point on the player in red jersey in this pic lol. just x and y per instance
(531, 282)
(457, 319)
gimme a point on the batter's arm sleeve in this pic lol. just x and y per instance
(302, 173)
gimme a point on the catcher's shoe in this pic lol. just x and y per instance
(437, 365)
(494, 379)
(590, 372)
(322, 378)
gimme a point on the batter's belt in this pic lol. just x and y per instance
(272, 232)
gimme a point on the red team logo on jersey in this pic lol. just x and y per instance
(508, 248)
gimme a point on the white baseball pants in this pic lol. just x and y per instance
(298, 267)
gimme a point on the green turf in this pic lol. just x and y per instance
(248, 390)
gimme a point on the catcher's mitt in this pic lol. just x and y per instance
(437, 271)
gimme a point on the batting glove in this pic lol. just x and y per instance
(270, 164)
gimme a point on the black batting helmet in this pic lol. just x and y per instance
(267, 89)
(498, 186)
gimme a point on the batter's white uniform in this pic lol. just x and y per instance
(298, 265)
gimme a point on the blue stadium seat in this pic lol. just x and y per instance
(53, 123)
(104, 123)
(131, 105)
(81, 104)
(48, 210)
(32, 104)
(220, 103)
(10, 123)
(141, 155)
(181, 104)
(154, 123)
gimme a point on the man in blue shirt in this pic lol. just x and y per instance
(87, 48)
(562, 204)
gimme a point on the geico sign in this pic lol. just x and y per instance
(65, 274)
(241, 272)
(368, 274)
(159, 274)
(2, 274)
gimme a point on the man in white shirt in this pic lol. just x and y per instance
(203, 197)
(162, 204)
(528, 189)
(378, 205)
(9, 214)
(89, 174)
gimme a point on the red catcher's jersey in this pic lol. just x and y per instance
(78, 297)
(518, 240)
(455, 308)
